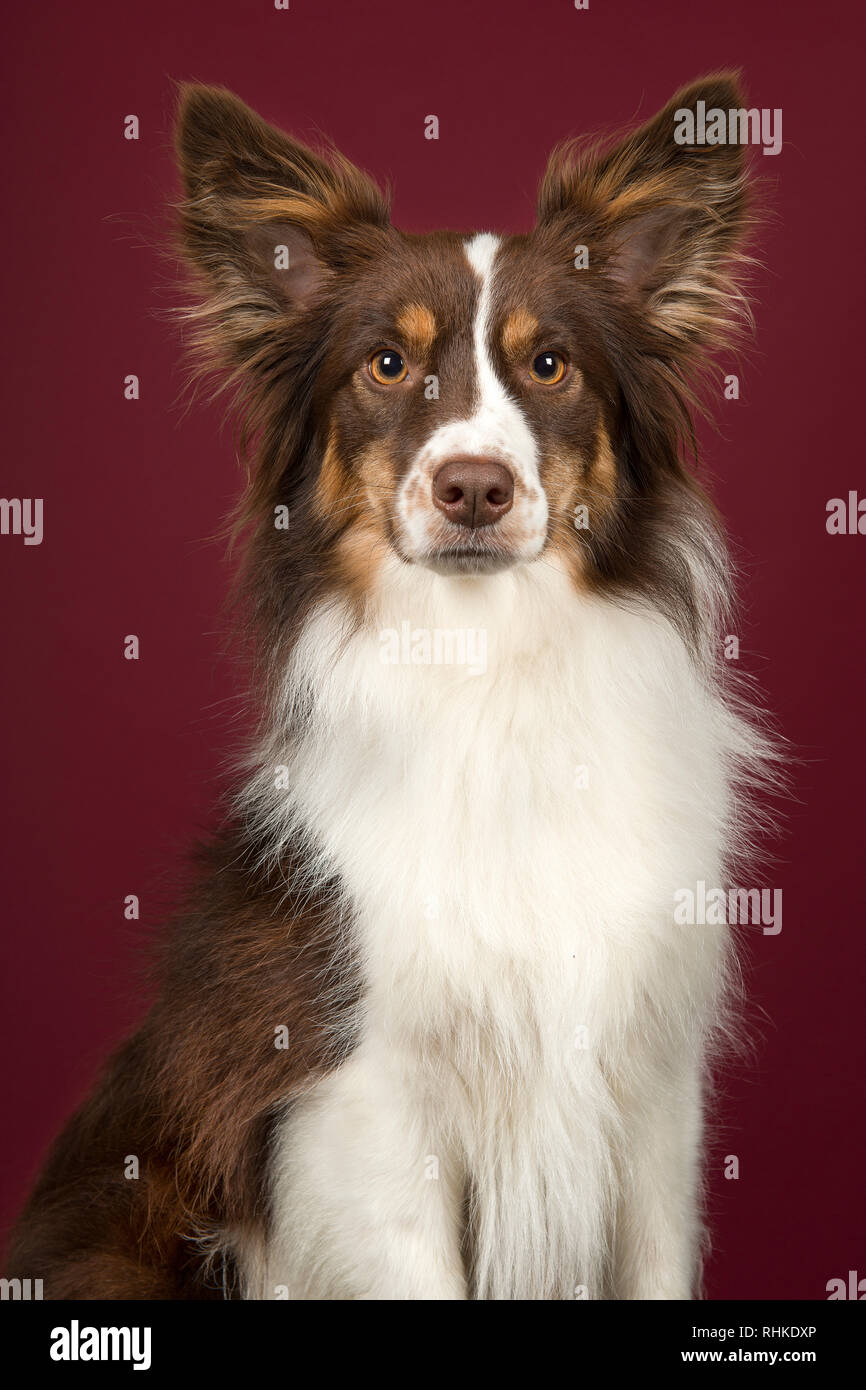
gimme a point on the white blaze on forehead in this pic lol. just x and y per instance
(496, 429)
(495, 407)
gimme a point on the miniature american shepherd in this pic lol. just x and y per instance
(427, 1027)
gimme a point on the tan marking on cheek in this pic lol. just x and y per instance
(603, 471)
(417, 327)
(361, 549)
(593, 487)
(334, 484)
(566, 490)
(562, 480)
(364, 493)
(359, 555)
(519, 334)
(572, 481)
(357, 503)
(377, 474)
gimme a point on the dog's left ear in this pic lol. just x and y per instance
(662, 219)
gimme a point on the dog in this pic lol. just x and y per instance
(428, 1027)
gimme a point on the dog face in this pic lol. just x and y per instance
(464, 406)
(468, 402)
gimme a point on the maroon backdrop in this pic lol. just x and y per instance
(113, 765)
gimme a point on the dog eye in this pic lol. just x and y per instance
(548, 368)
(388, 367)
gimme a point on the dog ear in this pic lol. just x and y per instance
(265, 221)
(662, 219)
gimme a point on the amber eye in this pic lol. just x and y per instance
(548, 368)
(388, 367)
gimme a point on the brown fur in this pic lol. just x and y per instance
(193, 1096)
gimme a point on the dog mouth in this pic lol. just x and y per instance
(468, 562)
(476, 554)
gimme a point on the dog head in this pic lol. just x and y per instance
(466, 402)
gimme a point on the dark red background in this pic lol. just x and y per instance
(114, 765)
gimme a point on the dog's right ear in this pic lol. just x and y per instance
(265, 221)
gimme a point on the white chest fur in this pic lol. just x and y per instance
(509, 844)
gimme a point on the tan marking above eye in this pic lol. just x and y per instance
(416, 325)
(519, 333)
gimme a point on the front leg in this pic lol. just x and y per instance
(658, 1224)
(367, 1205)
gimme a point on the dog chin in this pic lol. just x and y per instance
(466, 561)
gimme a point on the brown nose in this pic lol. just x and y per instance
(473, 492)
